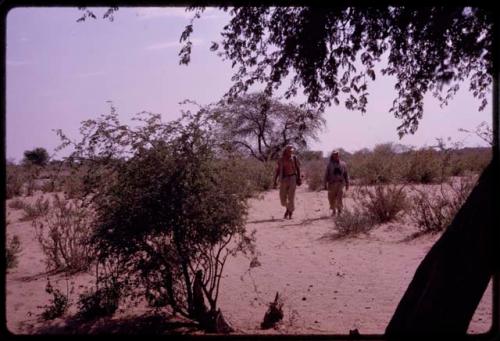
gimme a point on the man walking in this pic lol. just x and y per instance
(288, 171)
(336, 178)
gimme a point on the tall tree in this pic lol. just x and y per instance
(261, 126)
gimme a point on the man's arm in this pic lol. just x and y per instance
(346, 177)
(325, 180)
(297, 165)
(276, 174)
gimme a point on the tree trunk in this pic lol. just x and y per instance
(450, 281)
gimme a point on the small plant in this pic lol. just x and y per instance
(100, 302)
(17, 204)
(38, 209)
(274, 313)
(63, 234)
(382, 202)
(12, 250)
(59, 303)
(350, 223)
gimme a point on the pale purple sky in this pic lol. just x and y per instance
(60, 72)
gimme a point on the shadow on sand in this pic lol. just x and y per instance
(306, 222)
(145, 324)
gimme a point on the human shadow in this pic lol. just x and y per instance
(40, 275)
(305, 222)
(265, 221)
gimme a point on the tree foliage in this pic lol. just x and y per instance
(331, 53)
(261, 126)
(166, 207)
(37, 156)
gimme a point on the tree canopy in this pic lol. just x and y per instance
(260, 126)
(37, 156)
(331, 53)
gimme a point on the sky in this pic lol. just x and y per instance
(60, 72)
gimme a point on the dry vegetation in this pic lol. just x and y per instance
(425, 186)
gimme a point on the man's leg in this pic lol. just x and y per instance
(283, 194)
(331, 198)
(291, 195)
(340, 194)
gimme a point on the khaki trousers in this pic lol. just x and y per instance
(335, 193)
(287, 192)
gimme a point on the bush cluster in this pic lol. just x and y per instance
(63, 233)
(434, 211)
(383, 203)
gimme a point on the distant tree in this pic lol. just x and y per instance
(308, 155)
(261, 126)
(37, 156)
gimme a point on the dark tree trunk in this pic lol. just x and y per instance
(450, 281)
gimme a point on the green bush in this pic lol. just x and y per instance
(382, 202)
(174, 209)
(12, 250)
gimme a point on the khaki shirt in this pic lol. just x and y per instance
(336, 172)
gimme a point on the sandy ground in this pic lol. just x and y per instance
(329, 285)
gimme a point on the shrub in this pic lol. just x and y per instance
(259, 175)
(38, 209)
(172, 212)
(63, 234)
(353, 222)
(14, 181)
(315, 174)
(12, 250)
(422, 166)
(433, 212)
(17, 204)
(103, 301)
(73, 184)
(377, 167)
(58, 305)
(382, 202)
